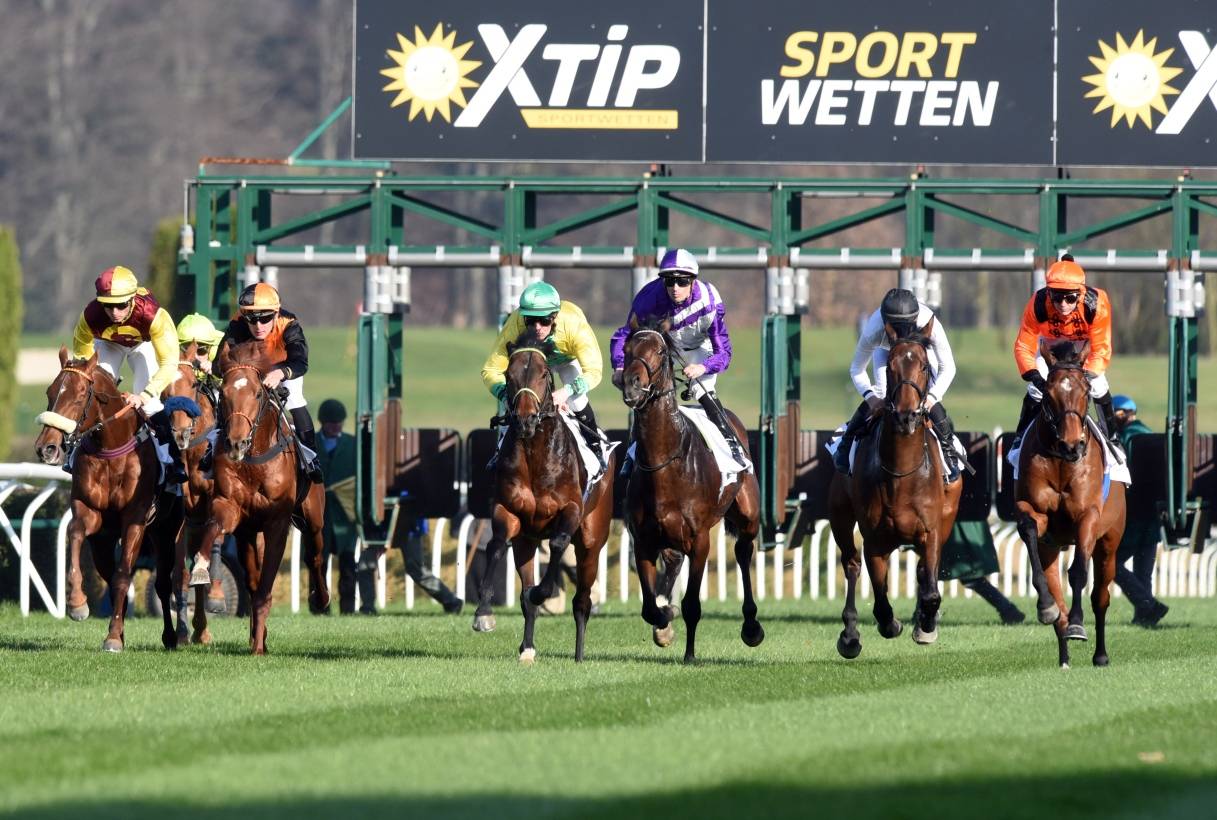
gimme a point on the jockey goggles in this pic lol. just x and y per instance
(200, 348)
(1069, 297)
(259, 318)
(544, 321)
(117, 307)
(682, 281)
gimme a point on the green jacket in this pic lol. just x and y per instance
(1134, 428)
(339, 469)
(1138, 530)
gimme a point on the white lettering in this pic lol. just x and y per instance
(635, 77)
(1202, 84)
(869, 89)
(507, 74)
(933, 101)
(568, 55)
(970, 101)
(831, 99)
(787, 98)
(598, 97)
(906, 88)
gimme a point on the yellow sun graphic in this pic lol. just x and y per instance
(1132, 79)
(430, 73)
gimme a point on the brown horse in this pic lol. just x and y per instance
(896, 496)
(1059, 494)
(674, 496)
(258, 485)
(539, 494)
(191, 434)
(114, 488)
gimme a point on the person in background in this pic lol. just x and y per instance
(1141, 533)
(407, 535)
(970, 556)
(336, 454)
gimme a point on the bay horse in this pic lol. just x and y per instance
(1059, 495)
(191, 433)
(114, 489)
(258, 484)
(674, 496)
(896, 495)
(539, 494)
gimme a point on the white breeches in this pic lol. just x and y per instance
(1098, 385)
(141, 358)
(568, 373)
(704, 384)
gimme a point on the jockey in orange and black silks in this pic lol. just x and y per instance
(125, 323)
(1067, 308)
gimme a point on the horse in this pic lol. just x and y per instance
(191, 433)
(114, 489)
(1059, 495)
(539, 494)
(258, 485)
(896, 495)
(674, 496)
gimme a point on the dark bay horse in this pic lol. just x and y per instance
(674, 496)
(1059, 494)
(114, 489)
(539, 494)
(258, 485)
(896, 496)
(191, 433)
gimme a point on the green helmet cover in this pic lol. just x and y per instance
(540, 299)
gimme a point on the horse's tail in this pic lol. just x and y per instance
(731, 528)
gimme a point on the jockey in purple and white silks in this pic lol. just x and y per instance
(698, 326)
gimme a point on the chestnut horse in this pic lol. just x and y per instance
(539, 494)
(191, 434)
(114, 489)
(896, 496)
(1059, 494)
(258, 485)
(674, 496)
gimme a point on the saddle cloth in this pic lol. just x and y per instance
(1115, 467)
(585, 452)
(728, 468)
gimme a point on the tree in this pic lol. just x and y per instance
(10, 332)
(161, 277)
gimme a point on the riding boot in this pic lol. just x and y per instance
(346, 583)
(716, 413)
(1031, 406)
(303, 422)
(591, 433)
(945, 430)
(852, 427)
(1107, 418)
(1010, 614)
(175, 472)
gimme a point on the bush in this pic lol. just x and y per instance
(10, 333)
(162, 278)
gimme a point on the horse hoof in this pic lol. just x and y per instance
(1076, 632)
(483, 623)
(200, 575)
(663, 637)
(215, 606)
(112, 645)
(79, 613)
(891, 630)
(203, 637)
(1101, 660)
(183, 637)
(1050, 615)
(924, 638)
(169, 640)
(752, 633)
(848, 648)
(1064, 666)
(528, 657)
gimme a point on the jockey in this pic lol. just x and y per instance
(1066, 309)
(261, 317)
(198, 329)
(125, 323)
(900, 309)
(698, 326)
(576, 358)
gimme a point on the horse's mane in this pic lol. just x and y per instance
(83, 364)
(251, 352)
(915, 337)
(529, 339)
(1066, 352)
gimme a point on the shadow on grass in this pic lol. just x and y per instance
(1138, 792)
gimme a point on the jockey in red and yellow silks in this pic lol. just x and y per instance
(1066, 309)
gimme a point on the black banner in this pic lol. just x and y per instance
(1137, 83)
(541, 80)
(894, 81)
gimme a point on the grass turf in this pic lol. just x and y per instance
(416, 715)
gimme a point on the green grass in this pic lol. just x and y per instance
(415, 715)
(443, 385)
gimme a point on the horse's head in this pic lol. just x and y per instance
(73, 404)
(1067, 398)
(908, 376)
(184, 384)
(243, 398)
(647, 372)
(530, 385)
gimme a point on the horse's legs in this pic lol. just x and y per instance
(841, 520)
(1079, 572)
(929, 599)
(274, 540)
(877, 566)
(690, 604)
(524, 550)
(85, 522)
(587, 559)
(1100, 596)
(644, 562)
(1049, 559)
(566, 524)
(133, 536)
(672, 562)
(1031, 527)
(165, 529)
(505, 526)
(745, 514)
(313, 509)
(201, 634)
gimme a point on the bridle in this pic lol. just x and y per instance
(665, 368)
(200, 391)
(919, 414)
(1053, 421)
(264, 403)
(70, 440)
(545, 402)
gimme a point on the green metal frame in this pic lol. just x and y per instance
(233, 216)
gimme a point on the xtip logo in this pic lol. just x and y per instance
(1133, 80)
(431, 74)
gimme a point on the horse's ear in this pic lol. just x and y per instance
(511, 348)
(890, 331)
(928, 330)
(92, 363)
(1084, 352)
(63, 355)
(633, 323)
(665, 326)
(1049, 356)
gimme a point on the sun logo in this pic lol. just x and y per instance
(1132, 79)
(430, 73)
